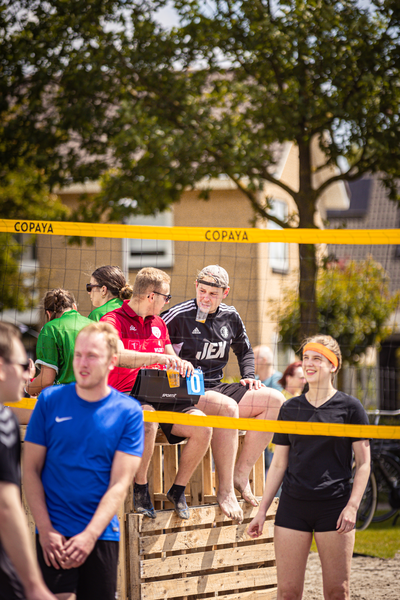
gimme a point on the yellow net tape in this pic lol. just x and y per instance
(205, 234)
(301, 428)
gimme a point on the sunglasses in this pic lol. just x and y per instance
(25, 366)
(166, 296)
(90, 286)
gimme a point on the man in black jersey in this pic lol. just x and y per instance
(20, 577)
(206, 345)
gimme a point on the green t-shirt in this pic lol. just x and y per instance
(100, 311)
(56, 342)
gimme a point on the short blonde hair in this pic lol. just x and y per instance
(148, 280)
(330, 343)
(109, 334)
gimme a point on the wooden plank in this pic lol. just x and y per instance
(200, 538)
(203, 561)
(202, 515)
(270, 594)
(172, 588)
(197, 486)
(121, 578)
(207, 475)
(134, 524)
(259, 475)
(157, 470)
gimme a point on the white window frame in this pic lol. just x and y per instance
(150, 253)
(278, 251)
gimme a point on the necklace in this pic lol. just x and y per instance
(320, 401)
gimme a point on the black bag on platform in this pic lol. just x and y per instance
(152, 386)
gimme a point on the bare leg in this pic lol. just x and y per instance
(224, 447)
(198, 440)
(150, 432)
(66, 596)
(259, 404)
(335, 551)
(291, 550)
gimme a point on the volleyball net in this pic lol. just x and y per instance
(357, 284)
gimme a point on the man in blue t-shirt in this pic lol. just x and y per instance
(82, 450)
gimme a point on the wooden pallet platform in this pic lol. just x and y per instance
(207, 557)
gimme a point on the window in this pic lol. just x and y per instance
(278, 251)
(150, 253)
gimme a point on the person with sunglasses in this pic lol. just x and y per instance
(141, 330)
(107, 289)
(20, 576)
(56, 342)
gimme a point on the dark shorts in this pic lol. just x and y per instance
(236, 391)
(96, 579)
(306, 515)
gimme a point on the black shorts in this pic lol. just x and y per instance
(306, 515)
(236, 390)
(180, 406)
(96, 579)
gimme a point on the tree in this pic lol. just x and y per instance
(22, 192)
(209, 97)
(354, 305)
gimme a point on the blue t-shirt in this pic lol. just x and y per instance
(272, 382)
(81, 439)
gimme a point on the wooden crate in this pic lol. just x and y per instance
(201, 487)
(209, 557)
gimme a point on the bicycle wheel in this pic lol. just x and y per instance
(368, 504)
(386, 468)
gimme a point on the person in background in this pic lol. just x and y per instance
(107, 289)
(293, 380)
(20, 577)
(319, 494)
(82, 450)
(56, 341)
(264, 365)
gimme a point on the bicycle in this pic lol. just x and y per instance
(381, 499)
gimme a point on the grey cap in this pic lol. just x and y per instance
(217, 273)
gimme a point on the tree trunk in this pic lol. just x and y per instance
(307, 291)
(306, 203)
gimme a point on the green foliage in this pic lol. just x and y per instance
(89, 86)
(353, 306)
(23, 195)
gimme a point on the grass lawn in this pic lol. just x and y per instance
(379, 539)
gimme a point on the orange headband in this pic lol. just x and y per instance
(322, 350)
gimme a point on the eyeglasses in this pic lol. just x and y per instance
(166, 296)
(25, 366)
(90, 286)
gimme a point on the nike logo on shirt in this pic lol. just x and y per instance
(61, 419)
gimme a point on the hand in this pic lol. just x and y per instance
(31, 369)
(185, 368)
(52, 543)
(77, 549)
(256, 526)
(254, 384)
(347, 519)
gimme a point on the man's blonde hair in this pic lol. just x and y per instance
(149, 280)
(108, 332)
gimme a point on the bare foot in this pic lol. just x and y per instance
(230, 506)
(246, 493)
